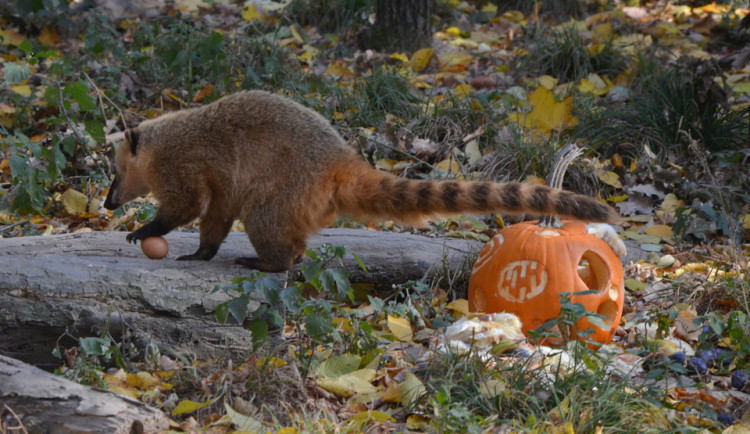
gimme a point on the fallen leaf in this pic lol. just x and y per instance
(420, 59)
(460, 305)
(610, 178)
(400, 328)
(412, 390)
(188, 406)
(355, 383)
(547, 114)
(21, 89)
(74, 201)
(376, 415)
(661, 231)
(338, 366)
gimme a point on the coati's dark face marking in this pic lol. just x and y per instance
(129, 182)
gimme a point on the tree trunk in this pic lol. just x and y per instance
(77, 283)
(402, 25)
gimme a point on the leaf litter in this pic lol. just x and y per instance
(679, 304)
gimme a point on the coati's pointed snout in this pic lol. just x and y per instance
(111, 203)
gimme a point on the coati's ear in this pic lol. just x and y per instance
(132, 138)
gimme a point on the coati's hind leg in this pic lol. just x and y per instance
(278, 246)
(214, 228)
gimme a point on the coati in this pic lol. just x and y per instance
(285, 172)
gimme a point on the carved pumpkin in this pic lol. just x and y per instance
(524, 268)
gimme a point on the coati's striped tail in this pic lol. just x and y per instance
(364, 191)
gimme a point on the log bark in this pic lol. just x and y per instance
(45, 403)
(77, 283)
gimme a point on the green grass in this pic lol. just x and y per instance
(672, 109)
(535, 399)
(563, 54)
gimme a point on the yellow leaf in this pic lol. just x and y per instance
(10, 37)
(671, 203)
(420, 59)
(463, 90)
(392, 393)
(358, 382)
(288, 430)
(376, 415)
(746, 222)
(48, 36)
(633, 43)
(343, 324)
(249, 13)
(412, 390)
(188, 406)
(711, 8)
(547, 81)
(514, 17)
(602, 32)
(296, 34)
(460, 305)
(693, 267)
(21, 89)
(271, 361)
(74, 201)
(6, 219)
(661, 231)
(492, 388)
(339, 70)
(547, 114)
(449, 165)
(400, 328)
(610, 178)
(615, 199)
(741, 87)
(461, 42)
(400, 56)
(453, 31)
(490, 7)
(586, 86)
(454, 61)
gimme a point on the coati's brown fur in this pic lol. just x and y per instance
(285, 172)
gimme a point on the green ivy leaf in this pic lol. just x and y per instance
(238, 308)
(340, 277)
(95, 130)
(95, 346)
(259, 330)
(318, 325)
(222, 312)
(78, 91)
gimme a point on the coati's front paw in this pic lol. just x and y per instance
(134, 236)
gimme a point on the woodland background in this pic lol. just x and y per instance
(655, 92)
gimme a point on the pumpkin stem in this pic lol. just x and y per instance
(555, 178)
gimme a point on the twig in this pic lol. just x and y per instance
(19, 428)
(406, 154)
(101, 94)
(78, 135)
(11, 226)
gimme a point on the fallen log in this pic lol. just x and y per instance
(74, 284)
(41, 402)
